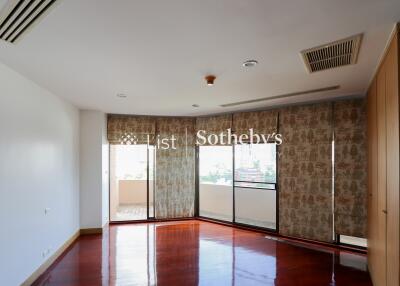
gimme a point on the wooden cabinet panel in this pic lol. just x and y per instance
(384, 171)
(392, 167)
(372, 179)
(380, 248)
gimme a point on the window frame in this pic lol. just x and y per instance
(338, 241)
(234, 222)
(197, 186)
(149, 217)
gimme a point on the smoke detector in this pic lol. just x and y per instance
(250, 63)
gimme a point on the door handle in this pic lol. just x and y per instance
(384, 211)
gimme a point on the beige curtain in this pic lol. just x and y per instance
(262, 122)
(214, 126)
(350, 167)
(127, 129)
(305, 172)
(175, 169)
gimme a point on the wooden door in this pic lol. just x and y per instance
(384, 171)
(392, 163)
(372, 180)
(380, 247)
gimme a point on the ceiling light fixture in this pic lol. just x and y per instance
(195, 105)
(210, 80)
(250, 63)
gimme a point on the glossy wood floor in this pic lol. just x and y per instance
(200, 253)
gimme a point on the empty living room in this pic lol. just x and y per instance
(188, 142)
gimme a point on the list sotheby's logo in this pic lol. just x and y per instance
(205, 138)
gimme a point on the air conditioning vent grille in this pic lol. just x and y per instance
(336, 54)
(282, 96)
(19, 16)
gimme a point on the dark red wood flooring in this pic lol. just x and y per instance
(200, 253)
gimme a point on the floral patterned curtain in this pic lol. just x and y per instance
(214, 125)
(350, 167)
(305, 172)
(127, 129)
(175, 168)
(262, 122)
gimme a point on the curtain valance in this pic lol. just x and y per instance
(214, 126)
(126, 129)
(182, 128)
(262, 122)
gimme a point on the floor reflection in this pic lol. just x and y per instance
(134, 262)
(199, 253)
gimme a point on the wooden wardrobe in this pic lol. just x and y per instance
(383, 170)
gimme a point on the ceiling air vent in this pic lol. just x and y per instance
(336, 54)
(18, 16)
(282, 96)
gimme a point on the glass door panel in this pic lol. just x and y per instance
(255, 185)
(215, 182)
(128, 182)
(151, 180)
(255, 163)
(256, 207)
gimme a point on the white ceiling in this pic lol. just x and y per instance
(158, 52)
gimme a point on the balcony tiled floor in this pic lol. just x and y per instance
(132, 212)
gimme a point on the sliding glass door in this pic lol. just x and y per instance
(215, 182)
(255, 185)
(239, 185)
(131, 182)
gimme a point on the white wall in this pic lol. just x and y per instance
(94, 169)
(39, 169)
